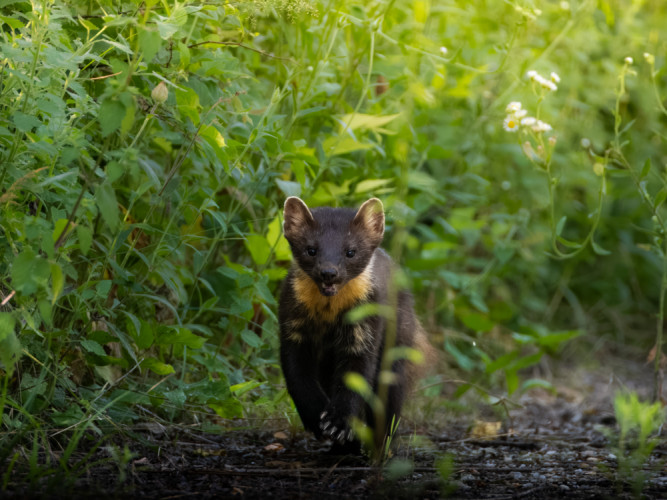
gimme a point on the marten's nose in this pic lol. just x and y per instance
(328, 274)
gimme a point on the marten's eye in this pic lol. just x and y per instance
(311, 251)
(350, 253)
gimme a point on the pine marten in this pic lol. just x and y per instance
(337, 266)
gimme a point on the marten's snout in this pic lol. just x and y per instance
(329, 274)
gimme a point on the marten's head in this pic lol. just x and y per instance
(333, 245)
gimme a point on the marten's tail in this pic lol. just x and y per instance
(429, 357)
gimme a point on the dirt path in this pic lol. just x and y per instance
(554, 446)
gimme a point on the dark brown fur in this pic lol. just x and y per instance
(338, 265)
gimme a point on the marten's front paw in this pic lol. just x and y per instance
(335, 427)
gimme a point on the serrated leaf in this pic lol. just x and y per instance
(251, 338)
(93, 347)
(110, 116)
(29, 272)
(150, 43)
(85, 237)
(105, 198)
(25, 123)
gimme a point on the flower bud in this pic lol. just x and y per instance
(598, 168)
(160, 93)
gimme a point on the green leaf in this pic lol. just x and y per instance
(646, 168)
(111, 114)
(553, 340)
(476, 321)
(251, 338)
(243, 387)
(187, 103)
(25, 123)
(289, 188)
(360, 121)
(150, 43)
(371, 185)
(227, 408)
(660, 197)
(157, 366)
(105, 197)
(93, 347)
(560, 225)
(357, 383)
(346, 144)
(57, 281)
(10, 347)
(29, 272)
(598, 249)
(568, 243)
(537, 383)
(176, 396)
(512, 380)
(275, 238)
(178, 335)
(501, 362)
(259, 248)
(85, 237)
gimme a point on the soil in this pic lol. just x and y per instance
(551, 446)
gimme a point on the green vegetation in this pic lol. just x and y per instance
(638, 424)
(146, 148)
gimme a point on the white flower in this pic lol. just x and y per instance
(554, 77)
(513, 107)
(650, 58)
(546, 84)
(511, 124)
(532, 75)
(629, 60)
(585, 143)
(528, 121)
(540, 126)
(520, 114)
(443, 51)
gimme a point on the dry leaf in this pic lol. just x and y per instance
(485, 430)
(274, 447)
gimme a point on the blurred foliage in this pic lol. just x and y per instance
(146, 149)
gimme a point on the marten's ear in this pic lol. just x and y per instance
(370, 220)
(297, 218)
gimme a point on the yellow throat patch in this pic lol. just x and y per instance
(327, 309)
